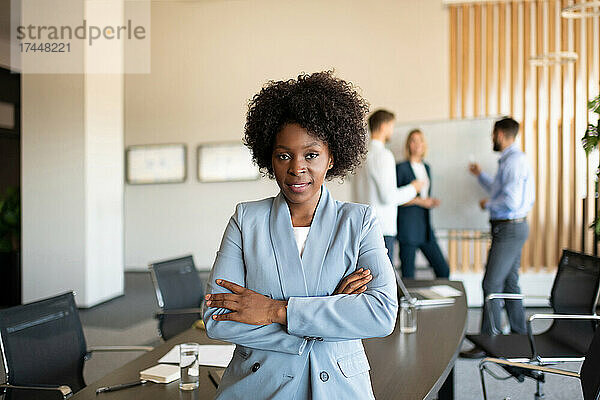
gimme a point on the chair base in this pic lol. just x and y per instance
(519, 374)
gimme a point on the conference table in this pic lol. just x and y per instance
(411, 366)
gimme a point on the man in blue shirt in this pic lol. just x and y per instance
(512, 194)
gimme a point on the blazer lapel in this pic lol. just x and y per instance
(318, 240)
(428, 176)
(411, 173)
(289, 266)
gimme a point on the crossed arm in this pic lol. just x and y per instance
(250, 307)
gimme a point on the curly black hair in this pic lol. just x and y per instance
(329, 108)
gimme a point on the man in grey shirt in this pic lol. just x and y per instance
(375, 182)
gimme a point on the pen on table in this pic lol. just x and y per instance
(119, 387)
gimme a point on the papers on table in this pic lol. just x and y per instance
(446, 291)
(161, 373)
(210, 355)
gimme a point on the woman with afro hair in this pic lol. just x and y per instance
(301, 278)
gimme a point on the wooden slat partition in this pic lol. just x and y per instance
(501, 51)
(490, 74)
(477, 62)
(464, 97)
(553, 129)
(465, 255)
(477, 265)
(565, 122)
(452, 251)
(489, 55)
(514, 69)
(453, 60)
(540, 145)
(526, 136)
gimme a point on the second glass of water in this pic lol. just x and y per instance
(188, 366)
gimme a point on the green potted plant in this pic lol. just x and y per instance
(590, 143)
(10, 240)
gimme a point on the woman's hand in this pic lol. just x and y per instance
(355, 283)
(431, 202)
(247, 306)
(418, 185)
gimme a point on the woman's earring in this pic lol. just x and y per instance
(330, 166)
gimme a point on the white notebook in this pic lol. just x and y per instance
(161, 373)
(212, 355)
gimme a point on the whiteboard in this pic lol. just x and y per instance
(451, 144)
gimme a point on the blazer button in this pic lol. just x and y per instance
(255, 367)
(324, 376)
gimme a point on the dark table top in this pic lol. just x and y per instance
(414, 366)
(403, 366)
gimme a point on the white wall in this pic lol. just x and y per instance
(210, 57)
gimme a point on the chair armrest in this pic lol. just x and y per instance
(513, 296)
(180, 311)
(93, 349)
(563, 316)
(531, 367)
(63, 389)
(506, 296)
(553, 316)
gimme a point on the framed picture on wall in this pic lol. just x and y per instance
(225, 162)
(156, 163)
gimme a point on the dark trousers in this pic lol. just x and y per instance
(432, 253)
(389, 245)
(502, 276)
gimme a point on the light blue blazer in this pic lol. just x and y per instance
(319, 354)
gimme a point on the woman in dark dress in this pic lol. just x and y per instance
(414, 217)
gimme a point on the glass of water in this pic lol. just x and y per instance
(408, 316)
(188, 366)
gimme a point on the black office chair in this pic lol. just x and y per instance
(589, 374)
(180, 294)
(44, 349)
(573, 298)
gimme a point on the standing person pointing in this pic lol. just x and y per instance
(512, 194)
